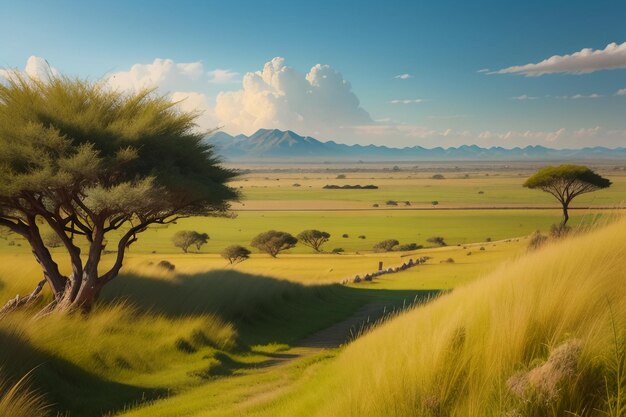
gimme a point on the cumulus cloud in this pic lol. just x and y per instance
(281, 97)
(164, 74)
(582, 62)
(223, 76)
(403, 76)
(410, 101)
(36, 67)
(524, 97)
(621, 92)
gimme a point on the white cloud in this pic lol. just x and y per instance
(580, 96)
(621, 92)
(223, 76)
(582, 62)
(403, 76)
(36, 67)
(410, 101)
(524, 97)
(483, 70)
(281, 97)
(165, 74)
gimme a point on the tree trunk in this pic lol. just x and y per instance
(565, 215)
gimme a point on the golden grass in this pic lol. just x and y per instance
(454, 356)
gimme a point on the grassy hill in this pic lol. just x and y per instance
(541, 336)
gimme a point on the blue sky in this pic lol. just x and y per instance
(441, 45)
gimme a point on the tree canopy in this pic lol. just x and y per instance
(273, 242)
(313, 238)
(235, 254)
(184, 239)
(87, 161)
(565, 182)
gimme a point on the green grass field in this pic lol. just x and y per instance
(171, 343)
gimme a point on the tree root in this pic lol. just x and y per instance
(20, 301)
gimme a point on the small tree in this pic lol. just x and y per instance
(386, 245)
(273, 242)
(235, 254)
(314, 239)
(565, 182)
(187, 238)
(437, 240)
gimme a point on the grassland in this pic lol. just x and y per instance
(165, 343)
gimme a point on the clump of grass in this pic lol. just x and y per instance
(18, 400)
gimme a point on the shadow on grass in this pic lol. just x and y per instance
(263, 309)
(66, 387)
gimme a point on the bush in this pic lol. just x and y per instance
(296, 185)
(437, 240)
(438, 177)
(187, 238)
(558, 231)
(345, 236)
(273, 242)
(488, 239)
(341, 177)
(386, 245)
(235, 254)
(338, 250)
(434, 203)
(392, 203)
(167, 265)
(375, 205)
(407, 203)
(407, 247)
(537, 240)
(448, 261)
(362, 237)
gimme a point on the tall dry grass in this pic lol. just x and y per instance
(541, 336)
(18, 400)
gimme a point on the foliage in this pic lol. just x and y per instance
(184, 239)
(313, 238)
(386, 245)
(537, 240)
(235, 254)
(566, 182)
(437, 240)
(273, 242)
(93, 162)
(408, 247)
(52, 240)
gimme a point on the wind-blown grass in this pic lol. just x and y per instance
(532, 339)
(18, 400)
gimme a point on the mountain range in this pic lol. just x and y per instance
(273, 145)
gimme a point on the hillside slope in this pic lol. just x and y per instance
(542, 336)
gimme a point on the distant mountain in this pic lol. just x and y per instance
(273, 145)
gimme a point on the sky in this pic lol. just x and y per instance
(395, 73)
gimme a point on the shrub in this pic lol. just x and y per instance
(362, 237)
(488, 239)
(386, 245)
(345, 236)
(338, 250)
(438, 177)
(341, 177)
(235, 254)
(448, 261)
(296, 185)
(481, 192)
(184, 239)
(537, 240)
(167, 265)
(273, 242)
(392, 203)
(375, 205)
(482, 248)
(434, 203)
(407, 203)
(558, 231)
(437, 240)
(407, 247)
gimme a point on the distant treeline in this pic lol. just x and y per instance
(350, 187)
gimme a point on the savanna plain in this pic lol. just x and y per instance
(472, 319)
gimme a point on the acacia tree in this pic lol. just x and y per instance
(273, 242)
(185, 238)
(314, 239)
(235, 254)
(94, 163)
(565, 182)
